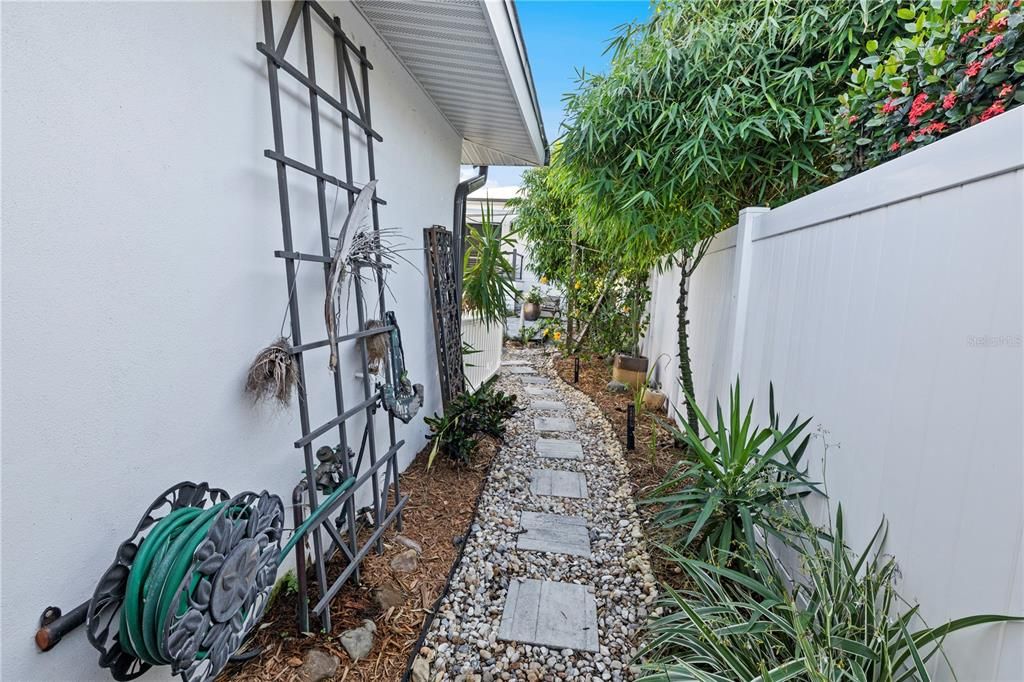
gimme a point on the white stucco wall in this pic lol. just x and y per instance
(139, 223)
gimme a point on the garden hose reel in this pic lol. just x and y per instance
(190, 583)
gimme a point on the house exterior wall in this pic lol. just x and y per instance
(140, 219)
(888, 307)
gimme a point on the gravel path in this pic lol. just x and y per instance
(463, 643)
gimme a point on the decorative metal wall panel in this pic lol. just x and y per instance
(447, 311)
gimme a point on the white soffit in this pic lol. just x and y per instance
(469, 57)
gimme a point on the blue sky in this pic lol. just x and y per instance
(563, 36)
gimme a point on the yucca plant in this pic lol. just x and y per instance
(488, 278)
(739, 479)
(841, 620)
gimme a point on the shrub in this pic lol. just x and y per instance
(961, 63)
(468, 418)
(738, 480)
(839, 622)
(488, 279)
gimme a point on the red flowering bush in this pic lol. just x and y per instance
(962, 63)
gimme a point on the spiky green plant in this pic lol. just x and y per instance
(488, 279)
(738, 480)
(841, 620)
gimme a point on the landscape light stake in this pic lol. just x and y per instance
(630, 426)
(576, 370)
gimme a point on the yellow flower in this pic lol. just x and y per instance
(543, 280)
(578, 284)
(558, 336)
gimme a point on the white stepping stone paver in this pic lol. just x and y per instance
(559, 448)
(554, 533)
(558, 483)
(554, 424)
(506, 363)
(540, 392)
(551, 614)
(535, 380)
(520, 369)
(547, 405)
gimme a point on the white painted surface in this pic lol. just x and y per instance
(485, 363)
(889, 308)
(139, 223)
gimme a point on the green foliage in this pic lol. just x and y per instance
(549, 329)
(959, 63)
(468, 418)
(841, 621)
(599, 279)
(738, 479)
(488, 278)
(710, 106)
(533, 296)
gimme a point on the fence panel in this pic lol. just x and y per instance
(888, 307)
(485, 362)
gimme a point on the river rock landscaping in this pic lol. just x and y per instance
(555, 581)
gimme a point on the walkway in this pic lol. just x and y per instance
(555, 582)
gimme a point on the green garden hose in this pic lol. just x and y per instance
(172, 552)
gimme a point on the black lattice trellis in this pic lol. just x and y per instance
(311, 13)
(447, 310)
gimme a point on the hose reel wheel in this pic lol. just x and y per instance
(189, 584)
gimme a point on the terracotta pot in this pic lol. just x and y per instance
(531, 311)
(655, 400)
(630, 370)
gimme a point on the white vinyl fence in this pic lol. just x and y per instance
(485, 362)
(888, 307)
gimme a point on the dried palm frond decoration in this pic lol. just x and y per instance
(341, 261)
(273, 373)
(376, 346)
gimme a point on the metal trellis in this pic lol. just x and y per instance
(351, 59)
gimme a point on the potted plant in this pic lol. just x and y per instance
(531, 305)
(630, 367)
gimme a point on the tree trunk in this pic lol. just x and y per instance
(593, 311)
(570, 299)
(685, 370)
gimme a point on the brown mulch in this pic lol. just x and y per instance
(655, 453)
(440, 508)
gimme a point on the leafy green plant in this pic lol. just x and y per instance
(959, 62)
(843, 620)
(740, 477)
(533, 296)
(468, 418)
(488, 278)
(549, 329)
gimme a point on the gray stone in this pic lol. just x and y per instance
(317, 666)
(505, 363)
(554, 533)
(536, 380)
(559, 448)
(358, 642)
(547, 405)
(557, 483)
(550, 614)
(540, 392)
(617, 387)
(389, 596)
(519, 369)
(405, 562)
(554, 424)
(420, 670)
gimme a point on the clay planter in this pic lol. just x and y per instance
(531, 311)
(630, 370)
(655, 400)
